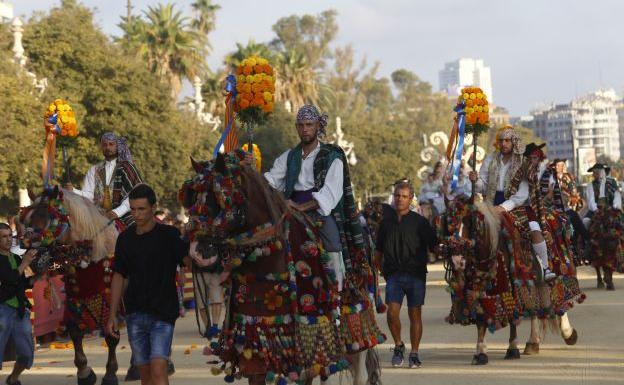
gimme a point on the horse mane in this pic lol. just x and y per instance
(276, 204)
(492, 225)
(87, 223)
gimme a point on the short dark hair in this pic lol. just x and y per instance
(143, 191)
(5, 226)
(403, 185)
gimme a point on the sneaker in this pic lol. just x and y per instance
(397, 356)
(413, 360)
(549, 275)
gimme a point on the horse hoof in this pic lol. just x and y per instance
(512, 354)
(531, 348)
(572, 339)
(610, 286)
(600, 285)
(88, 380)
(110, 380)
(480, 359)
(132, 374)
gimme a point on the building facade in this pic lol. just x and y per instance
(581, 131)
(465, 72)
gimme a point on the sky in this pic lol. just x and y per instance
(539, 51)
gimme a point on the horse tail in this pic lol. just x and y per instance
(373, 367)
(492, 225)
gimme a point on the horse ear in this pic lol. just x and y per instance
(220, 163)
(31, 195)
(196, 165)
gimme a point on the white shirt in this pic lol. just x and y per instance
(329, 195)
(517, 199)
(88, 186)
(592, 205)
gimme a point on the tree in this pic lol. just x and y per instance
(172, 49)
(204, 21)
(100, 81)
(308, 35)
(296, 80)
(21, 133)
(252, 48)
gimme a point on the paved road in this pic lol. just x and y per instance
(598, 358)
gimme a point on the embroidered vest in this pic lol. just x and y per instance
(494, 174)
(611, 186)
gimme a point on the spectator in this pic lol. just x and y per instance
(208, 289)
(14, 306)
(146, 258)
(403, 240)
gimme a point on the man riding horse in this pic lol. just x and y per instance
(604, 221)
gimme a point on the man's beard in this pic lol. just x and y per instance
(110, 156)
(308, 141)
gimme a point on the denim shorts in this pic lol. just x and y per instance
(20, 331)
(400, 285)
(149, 337)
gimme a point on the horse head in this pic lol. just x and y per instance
(45, 222)
(222, 195)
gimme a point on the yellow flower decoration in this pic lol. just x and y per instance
(255, 84)
(257, 155)
(65, 118)
(476, 108)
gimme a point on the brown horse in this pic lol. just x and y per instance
(493, 280)
(76, 240)
(283, 300)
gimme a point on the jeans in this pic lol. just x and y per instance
(400, 285)
(149, 337)
(20, 330)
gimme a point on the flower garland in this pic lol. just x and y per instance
(255, 86)
(474, 103)
(62, 116)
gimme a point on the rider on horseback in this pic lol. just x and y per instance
(108, 183)
(312, 178)
(494, 183)
(604, 201)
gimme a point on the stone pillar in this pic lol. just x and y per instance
(18, 48)
(24, 199)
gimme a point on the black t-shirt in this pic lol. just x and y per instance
(404, 244)
(149, 261)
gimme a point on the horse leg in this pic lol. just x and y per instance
(480, 358)
(512, 351)
(532, 346)
(84, 373)
(608, 278)
(358, 368)
(599, 282)
(258, 379)
(569, 334)
(110, 377)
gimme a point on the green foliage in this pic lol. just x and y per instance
(100, 82)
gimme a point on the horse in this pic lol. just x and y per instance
(606, 250)
(282, 297)
(75, 238)
(495, 283)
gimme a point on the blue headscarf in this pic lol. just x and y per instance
(310, 112)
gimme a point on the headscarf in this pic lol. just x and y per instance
(310, 112)
(508, 132)
(123, 152)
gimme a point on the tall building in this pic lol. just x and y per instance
(465, 72)
(580, 131)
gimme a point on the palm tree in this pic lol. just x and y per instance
(205, 18)
(296, 81)
(243, 51)
(172, 49)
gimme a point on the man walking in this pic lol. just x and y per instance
(403, 239)
(14, 306)
(146, 258)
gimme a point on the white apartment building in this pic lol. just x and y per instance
(587, 124)
(465, 72)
